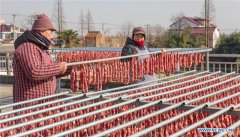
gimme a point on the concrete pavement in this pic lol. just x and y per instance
(6, 90)
(6, 94)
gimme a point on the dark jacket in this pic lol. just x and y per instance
(130, 49)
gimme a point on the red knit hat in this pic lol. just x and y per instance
(42, 23)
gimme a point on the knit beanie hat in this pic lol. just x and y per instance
(138, 30)
(42, 23)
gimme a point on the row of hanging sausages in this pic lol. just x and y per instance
(124, 72)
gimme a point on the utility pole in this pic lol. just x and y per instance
(14, 35)
(206, 22)
(88, 20)
(60, 22)
(147, 32)
(82, 23)
(60, 18)
(61, 15)
(103, 31)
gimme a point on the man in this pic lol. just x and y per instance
(33, 68)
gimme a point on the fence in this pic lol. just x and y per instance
(6, 64)
(224, 66)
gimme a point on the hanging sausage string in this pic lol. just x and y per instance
(102, 70)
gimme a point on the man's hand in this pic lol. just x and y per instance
(63, 67)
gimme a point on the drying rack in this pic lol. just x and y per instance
(138, 99)
(122, 98)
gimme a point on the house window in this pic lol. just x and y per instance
(9, 36)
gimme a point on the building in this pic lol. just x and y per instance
(197, 28)
(6, 32)
(94, 39)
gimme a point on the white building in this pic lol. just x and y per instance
(6, 31)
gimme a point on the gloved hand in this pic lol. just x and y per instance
(63, 67)
(164, 50)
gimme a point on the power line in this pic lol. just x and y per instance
(10, 14)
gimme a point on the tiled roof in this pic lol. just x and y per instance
(5, 28)
(93, 33)
(198, 21)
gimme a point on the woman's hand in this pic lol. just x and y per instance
(164, 50)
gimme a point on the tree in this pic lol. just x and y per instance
(28, 22)
(178, 19)
(126, 31)
(70, 38)
(184, 39)
(229, 44)
(180, 36)
(155, 36)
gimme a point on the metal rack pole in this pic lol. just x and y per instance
(105, 119)
(137, 120)
(135, 55)
(137, 84)
(211, 94)
(74, 118)
(159, 112)
(217, 101)
(199, 123)
(163, 93)
(236, 106)
(143, 132)
(40, 105)
(207, 61)
(208, 104)
(152, 85)
(58, 114)
(32, 100)
(97, 49)
(226, 98)
(115, 58)
(179, 89)
(53, 52)
(194, 50)
(49, 109)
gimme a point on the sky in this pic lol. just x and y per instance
(114, 13)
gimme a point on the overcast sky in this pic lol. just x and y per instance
(115, 13)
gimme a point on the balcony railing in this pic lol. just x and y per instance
(6, 65)
(225, 67)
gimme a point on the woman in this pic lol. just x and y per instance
(136, 45)
(33, 68)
